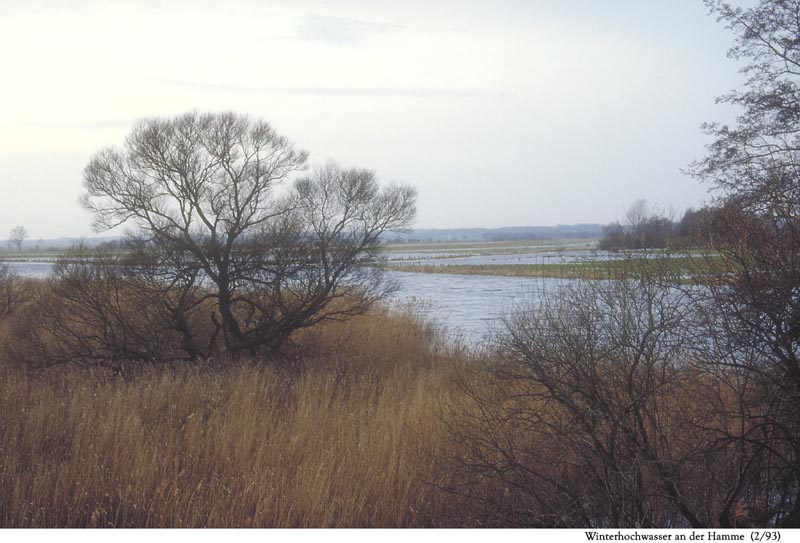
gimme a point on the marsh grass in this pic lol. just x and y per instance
(372, 422)
(697, 266)
(346, 439)
(495, 247)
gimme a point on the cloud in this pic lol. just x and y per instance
(324, 91)
(340, 30)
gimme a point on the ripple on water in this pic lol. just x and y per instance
(467, 306)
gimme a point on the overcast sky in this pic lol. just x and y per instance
(502, 112)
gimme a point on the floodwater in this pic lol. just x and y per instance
(497, 259)
(466, 307)
(33, 270)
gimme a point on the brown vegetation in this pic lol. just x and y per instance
(640, 400)
(346, 442)
(595, 409)
(602, 407)
(14, 292)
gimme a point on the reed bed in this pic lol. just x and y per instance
(346, 438)
(700, 266)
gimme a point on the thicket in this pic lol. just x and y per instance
(646, 228)
(14, 292)
(628, 402)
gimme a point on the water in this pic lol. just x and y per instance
(33, 270)
(467, 307)
(478, 258)
(545, 257)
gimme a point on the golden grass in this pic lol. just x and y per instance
(509, 246)
(346, 442)
(587, 270)
(358, 424)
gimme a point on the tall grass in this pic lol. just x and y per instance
(374, 422)
(346, 440)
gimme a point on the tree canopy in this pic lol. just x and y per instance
(206, 197)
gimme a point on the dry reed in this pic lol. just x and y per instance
(345, 441)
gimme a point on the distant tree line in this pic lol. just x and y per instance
(650, 229)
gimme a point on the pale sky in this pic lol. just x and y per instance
(501, 113)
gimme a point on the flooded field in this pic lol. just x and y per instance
(544, 257)
(494, 253)
(467, 307)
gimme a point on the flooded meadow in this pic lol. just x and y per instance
(468, 308)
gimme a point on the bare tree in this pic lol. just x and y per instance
(756, 160)
(320, 259)
(17, 235)
(754, 306)
(637, 214)
(751, 308)
(602, 408)
(645, 228)
(206, 185)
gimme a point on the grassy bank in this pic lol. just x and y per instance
(345, 441)
(495, 247)
(589, 269)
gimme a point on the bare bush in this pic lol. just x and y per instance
(753, 310)
(594, 414)
(95, 311)
(14, 292)
(751, 319)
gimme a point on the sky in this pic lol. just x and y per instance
(501, 113)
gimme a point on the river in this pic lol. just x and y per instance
(467, 307)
